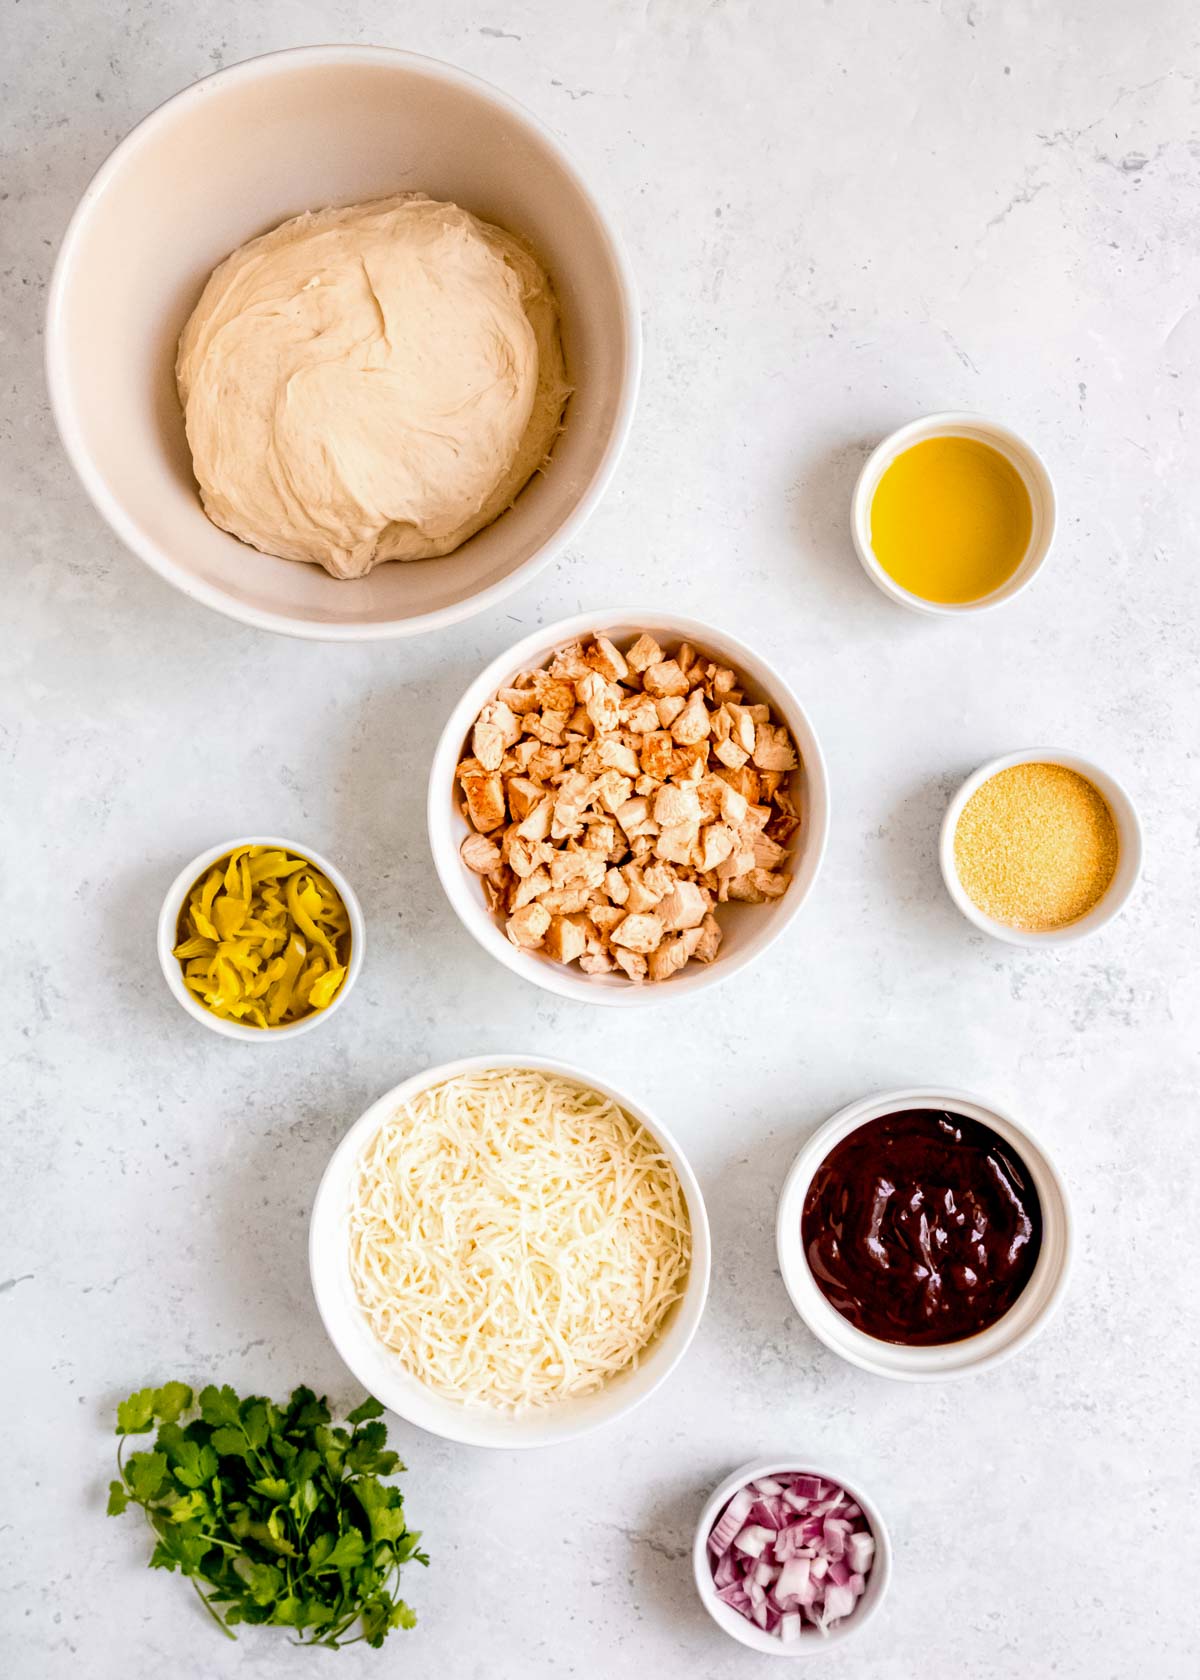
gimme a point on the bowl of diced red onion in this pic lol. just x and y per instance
(789, 1561)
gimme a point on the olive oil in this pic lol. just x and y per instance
(951, 520)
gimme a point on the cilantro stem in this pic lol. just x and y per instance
(229, 1634)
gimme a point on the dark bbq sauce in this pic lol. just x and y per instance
(922, 1227)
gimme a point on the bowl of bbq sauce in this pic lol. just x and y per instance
(924, 1234)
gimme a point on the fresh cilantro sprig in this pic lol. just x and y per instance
(275, 1515)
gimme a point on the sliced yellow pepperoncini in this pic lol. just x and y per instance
(263, 938)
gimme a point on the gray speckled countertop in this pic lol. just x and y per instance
(842, 215)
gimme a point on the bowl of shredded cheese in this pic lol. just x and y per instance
(509, 1252)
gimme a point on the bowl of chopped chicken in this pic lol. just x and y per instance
(623, 800)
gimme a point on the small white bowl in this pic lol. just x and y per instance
(1129, 852)
(1014, 449)
(748, 929)
(168, 922)
(235, 155)
(811, 1643)
(379, 1370)
(1028, 1315)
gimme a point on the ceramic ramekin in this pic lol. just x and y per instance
(379, 1369)
(811, 1643)
(748, 928)
(1014, 449)
(1032, 1309)
(168, 921)
(1129, 850)
(230, 158)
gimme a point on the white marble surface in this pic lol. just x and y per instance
(842, 215)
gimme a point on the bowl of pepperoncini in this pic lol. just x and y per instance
(259, 939)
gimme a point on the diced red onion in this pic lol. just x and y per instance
(793, 1579)
(768, 1485)
(726, 1571)
(791, 1548)
(752, 1540)
(731, 1520)
(834, 1536)
(839, 1601)
(761, 1514)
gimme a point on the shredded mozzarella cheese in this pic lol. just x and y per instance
(517, 1239)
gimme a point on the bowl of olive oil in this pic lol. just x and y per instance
(952, 514)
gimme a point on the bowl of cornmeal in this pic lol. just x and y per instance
(1040, 847)
(341, 344)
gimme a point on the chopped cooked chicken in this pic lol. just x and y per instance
(527, 927)
(615, 798)
(638, 933)
(668, 958)
(773, 748)
(685, 906)
(692, 725)
(676, 805)
(665, 678)
(484, 793)
(644, 653)
(565, 939)
(480, 854)
(709, 942)
(602, 656)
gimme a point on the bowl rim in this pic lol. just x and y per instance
(325, 1213)
(168, 917)
(1012, 444)
(746, 1633)
(478, 920)
(1042, 1295)
(128, 529)
(1130, 840)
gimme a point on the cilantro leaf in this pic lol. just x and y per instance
(144, 1474)
(231, 1443)
(118, 1498)
(263, 1579)
(304, 1501)
(194, 1464)
(382, 1506)
(366, 1451)
(171, 1399)
(274, 1488)
(176, 1550)
(254, 1422)
(189, 1507)
(347, 1552)
(220, 1406)
(305, 1411)
(136, 1415)
(370, 1408)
